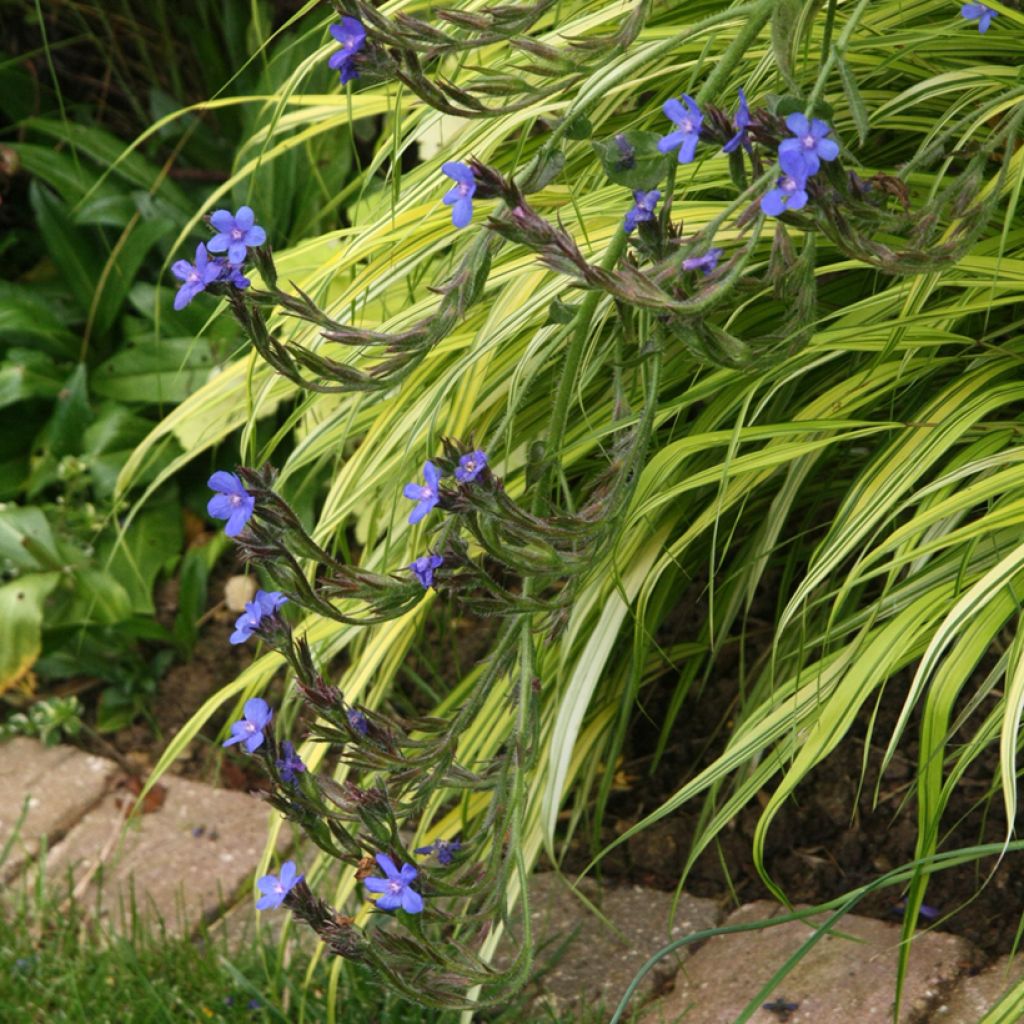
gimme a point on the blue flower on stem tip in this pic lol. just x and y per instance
(274, 888)
(423, 569)
(235, 234)
(262, 606)
(810, 146)
(231, 502)
(395, 888)
(425, 495)
(444, 849)
(643, 209)
(687, 120)
(232, 274)
(196, 276)
(741, 122)
(249, 730)
(470, 466)
(790, 193)
(707, 262)
(980, 12)
(358, 721)
(351, 35)
(460, 196)
(290, 764)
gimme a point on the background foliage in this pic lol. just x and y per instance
(859, 476)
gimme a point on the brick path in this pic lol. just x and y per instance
(192, 857)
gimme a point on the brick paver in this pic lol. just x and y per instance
(60, 784)
(842, 979)
(182, 863)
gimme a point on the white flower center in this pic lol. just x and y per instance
(809, 142)
(394, 887)
(237, 234)
(426, 492)
(470, 466)
(463, 189)
(686, 124)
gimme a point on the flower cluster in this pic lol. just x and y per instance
(236, 234)
(351, 35)
(262, 607)
(799, 158)
(428, 494)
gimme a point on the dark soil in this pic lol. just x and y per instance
(832, 837)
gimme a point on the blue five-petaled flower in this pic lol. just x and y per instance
(231, 502)
(423, 569)
(444, 849)
(358, 721)
(790, 192)
(351, 35)
(687, 121)
(235, 233)
(196, 276)
(460, 196)
(290, 764)
(741, 122)
(470, 466)
(643, 209)
(809, 146)
(263, 605)
(249, 729)
(275, 888)
(395, 890)
(425, 495)
(706, 263)
(980, 12)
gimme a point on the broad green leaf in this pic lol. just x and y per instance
(155, 370)
(21, 619)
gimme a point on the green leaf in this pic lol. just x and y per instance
(165, 370)
(72, 179)
(785, 17)
(21, 621)
(94, 598)
(33, 315)
(62, 435)
(632, 159)
(123, 267)
(858, 110)
(26, 374)
(77, 256)
(149, 545)
(26, 540)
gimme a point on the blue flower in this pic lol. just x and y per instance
(425, 495)
(235, 233)
(290, 764)
(445, 850)
(249, 730)
(423, 569)
(982, 12)
(741, 122)
(274, 888)
(351, 35)
(460, 196)
(470, 466)
(643, 209)
(195, 275)
(395, 889)
(707, 262)
(232, 274)
(790, 193)
(262, 606)
(687, 121)
(358, 721)
(231, 502)
(810, 146)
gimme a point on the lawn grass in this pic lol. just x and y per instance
(58, 965)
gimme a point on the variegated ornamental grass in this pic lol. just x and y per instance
(871, 468)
